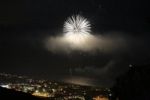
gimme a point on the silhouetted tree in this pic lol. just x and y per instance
(133, 85)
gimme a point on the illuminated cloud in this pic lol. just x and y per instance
(87, 43)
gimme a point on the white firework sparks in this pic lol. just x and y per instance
(77, 31)
(77, 25)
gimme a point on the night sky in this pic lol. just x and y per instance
(25, 24)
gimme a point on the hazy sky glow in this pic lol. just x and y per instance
(76, 39)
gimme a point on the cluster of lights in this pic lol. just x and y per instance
(44, 88)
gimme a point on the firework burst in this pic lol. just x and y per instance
(77, 25)
(77, 30)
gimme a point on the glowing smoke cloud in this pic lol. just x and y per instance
(77, 36)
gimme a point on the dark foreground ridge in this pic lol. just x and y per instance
(8, 94)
